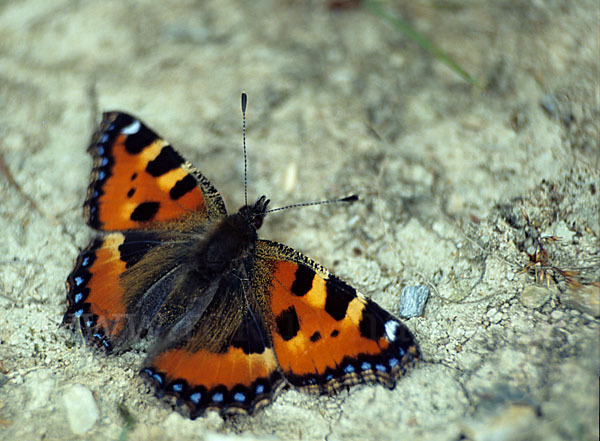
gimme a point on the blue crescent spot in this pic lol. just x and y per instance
(158, 378)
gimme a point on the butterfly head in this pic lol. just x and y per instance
(254, 214)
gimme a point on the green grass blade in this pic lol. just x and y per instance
(375, 8)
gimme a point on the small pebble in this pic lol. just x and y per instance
(496, 318)
(561, 230)
(81, 408)
(412, 300)
(534, 296)
(290, 178)
(494, 315)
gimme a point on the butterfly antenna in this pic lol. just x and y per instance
(244, 103)
(350, 198)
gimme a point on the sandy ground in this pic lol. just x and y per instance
(461, 189)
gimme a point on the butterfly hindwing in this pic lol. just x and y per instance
(138, 179)
(237, 376)
(94, 293)
(127, 283)
(325, 334)
(103, 290)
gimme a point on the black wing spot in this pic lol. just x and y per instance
(339, 295)
(136, 142)
(335, 333)
(315, 337)
(303, 281)
(133, 176)
(183, 186)
(372, 322)
(287, 323)
(167, 160)
(145, 211)
(130, 192)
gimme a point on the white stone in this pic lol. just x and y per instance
(82, 411)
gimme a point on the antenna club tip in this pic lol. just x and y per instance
(351, 198)
(244, 101)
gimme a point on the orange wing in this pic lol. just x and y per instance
(325, 334)
(104, 291)
(139, 179)
(238, 377)
(95, 297)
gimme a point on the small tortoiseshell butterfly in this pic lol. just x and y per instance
(233, 317)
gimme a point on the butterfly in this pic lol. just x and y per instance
(232, 318)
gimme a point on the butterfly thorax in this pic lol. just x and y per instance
(232, 241)
(219, 277)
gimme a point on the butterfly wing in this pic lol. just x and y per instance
(138, 179)
(302, 323)
(94, 295)
(325, 334)
(112, 295)
(227, 363)
(138, 183)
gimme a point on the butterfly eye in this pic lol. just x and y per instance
(257, 222)
(254, 214)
